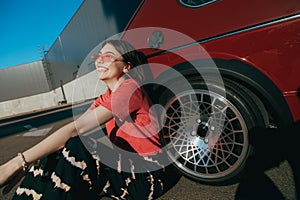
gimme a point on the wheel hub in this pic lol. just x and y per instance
(200, 129)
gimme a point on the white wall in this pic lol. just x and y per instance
(81, 89)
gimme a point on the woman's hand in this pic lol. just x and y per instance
(10, 174)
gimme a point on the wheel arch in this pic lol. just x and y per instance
(244, 74)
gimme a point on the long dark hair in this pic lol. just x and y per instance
(140, 70)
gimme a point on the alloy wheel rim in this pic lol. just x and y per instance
(205, 135)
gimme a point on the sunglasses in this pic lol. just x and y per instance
(105, 57)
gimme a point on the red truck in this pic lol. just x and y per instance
(220, 69)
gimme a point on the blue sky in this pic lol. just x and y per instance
(27, 26)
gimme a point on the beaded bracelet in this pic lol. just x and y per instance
(23, 161)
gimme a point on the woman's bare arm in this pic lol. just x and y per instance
(88, 121)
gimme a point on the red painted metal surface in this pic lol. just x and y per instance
(262, 34)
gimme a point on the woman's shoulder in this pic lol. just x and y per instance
(130, 81)
(129, 84)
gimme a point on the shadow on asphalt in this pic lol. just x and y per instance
(18, 124)
(271, 147)
(13, 128)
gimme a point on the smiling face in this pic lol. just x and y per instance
(109, 64)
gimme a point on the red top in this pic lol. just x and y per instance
(134, 126)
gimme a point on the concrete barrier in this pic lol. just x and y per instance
(79, 90)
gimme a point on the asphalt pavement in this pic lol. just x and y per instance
(275, 182)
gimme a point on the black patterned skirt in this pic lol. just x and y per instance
(74, 173)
